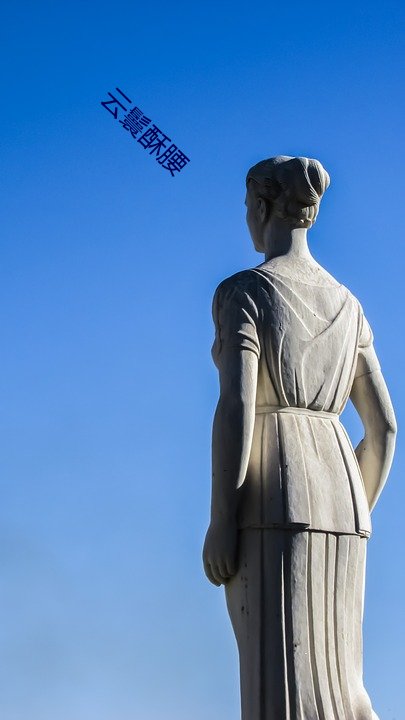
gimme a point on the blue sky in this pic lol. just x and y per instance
(108, 267)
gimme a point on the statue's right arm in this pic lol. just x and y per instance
(371, 399)
(231, 445)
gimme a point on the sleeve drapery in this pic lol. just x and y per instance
(235, 316)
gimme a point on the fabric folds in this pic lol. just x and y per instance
(296, 607)
(296, 602)
(307, 338)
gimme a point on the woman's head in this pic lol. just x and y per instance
(291, 187)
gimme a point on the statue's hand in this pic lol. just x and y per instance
(219, 554)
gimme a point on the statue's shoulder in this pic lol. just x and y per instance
(243, 281)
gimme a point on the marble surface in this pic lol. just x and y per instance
(291, 498)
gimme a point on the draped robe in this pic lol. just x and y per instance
(296, 602)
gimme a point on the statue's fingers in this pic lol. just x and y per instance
(216, 573)
(231, 566)
(210, 574)
(223, 570)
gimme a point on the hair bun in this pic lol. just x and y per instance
(294, 185)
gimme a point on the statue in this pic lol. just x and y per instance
(291, 499)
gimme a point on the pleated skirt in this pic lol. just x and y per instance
(296, 606)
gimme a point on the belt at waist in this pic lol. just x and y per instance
(262, 409)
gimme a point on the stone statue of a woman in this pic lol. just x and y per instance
(291, 499)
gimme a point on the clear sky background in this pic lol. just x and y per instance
(108, 267)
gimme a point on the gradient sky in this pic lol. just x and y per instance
(108, 267)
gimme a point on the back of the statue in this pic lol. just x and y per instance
(291, 498)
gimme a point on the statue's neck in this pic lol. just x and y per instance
(282, 239)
